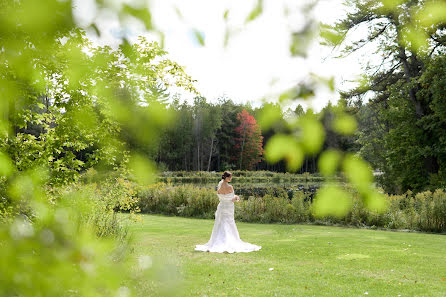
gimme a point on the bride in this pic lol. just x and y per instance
(225, 237)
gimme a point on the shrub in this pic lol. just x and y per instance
(424, 211)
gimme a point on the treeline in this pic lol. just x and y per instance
(208, 136)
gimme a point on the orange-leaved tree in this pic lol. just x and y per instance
(249, 141)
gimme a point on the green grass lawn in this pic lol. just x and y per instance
(306, 260)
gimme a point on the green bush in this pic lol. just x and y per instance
(424, 211)
(185, 200)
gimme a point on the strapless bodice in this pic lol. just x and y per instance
(226, 197)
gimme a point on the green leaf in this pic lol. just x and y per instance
(376, 202)
(331, 200)
(390, 5)
(300, 41)
(313, 134)
(95, 29)
(127, 49)
(432, 13)
(255, 12)
(344, 124)
(328, 162)
(179, 13)
(226, 14)
(330, 35)
(269, 115)
(199, 36)
(143, 169)
(415, 38)
(358, 172)
(6, 166)
(286, 147)
(142, 14)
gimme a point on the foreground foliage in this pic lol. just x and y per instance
(70, 244)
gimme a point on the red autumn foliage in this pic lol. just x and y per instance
(249, 141)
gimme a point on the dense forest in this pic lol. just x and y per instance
(225, 136)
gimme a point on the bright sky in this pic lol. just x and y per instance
(255, 65)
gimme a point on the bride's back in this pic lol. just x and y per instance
(225, 188)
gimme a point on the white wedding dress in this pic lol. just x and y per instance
(225, 237)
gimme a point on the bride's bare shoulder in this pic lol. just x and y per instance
(225, 189)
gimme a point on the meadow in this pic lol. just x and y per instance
(295, 260)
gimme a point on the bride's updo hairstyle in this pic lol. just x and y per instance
(226, 174)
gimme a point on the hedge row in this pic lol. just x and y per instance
(238, 177)
(424, 211)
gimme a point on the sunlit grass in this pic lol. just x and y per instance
(306, 260)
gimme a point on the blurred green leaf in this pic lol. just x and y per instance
(376, 202)
(358, 172)
(433, 12)
(226, 14)
(255, 12)
(6, 165)
(95, 29)
(415, 38)
(330, 35)
(390, 5)
(286, 147)
(179, 13)
(328, 162)
(301, 91)
(143, 169)
(331, 200)
(142, 13)
(22, 188)
(199, 36)
(312, 133)
(344, 124)
(329, 82)
(269, 115)
(301, 40)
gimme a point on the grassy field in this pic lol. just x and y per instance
(295, 260)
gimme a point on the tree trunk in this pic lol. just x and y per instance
(210, 153)
(198, 157)
(241, 151)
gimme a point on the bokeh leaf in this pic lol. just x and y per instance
(255, 12)
(331, 200)
(141, 13)
(281, 146)
(199, 36)
(415, 38)
(376, 202)
(344, 124)
(143, 169)
(433, 12)
(358, 172)
(269, 115)
(6, 166)
(330, 35)
(312, 133)
(328, 162)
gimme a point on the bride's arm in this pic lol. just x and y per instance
(236, 197)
